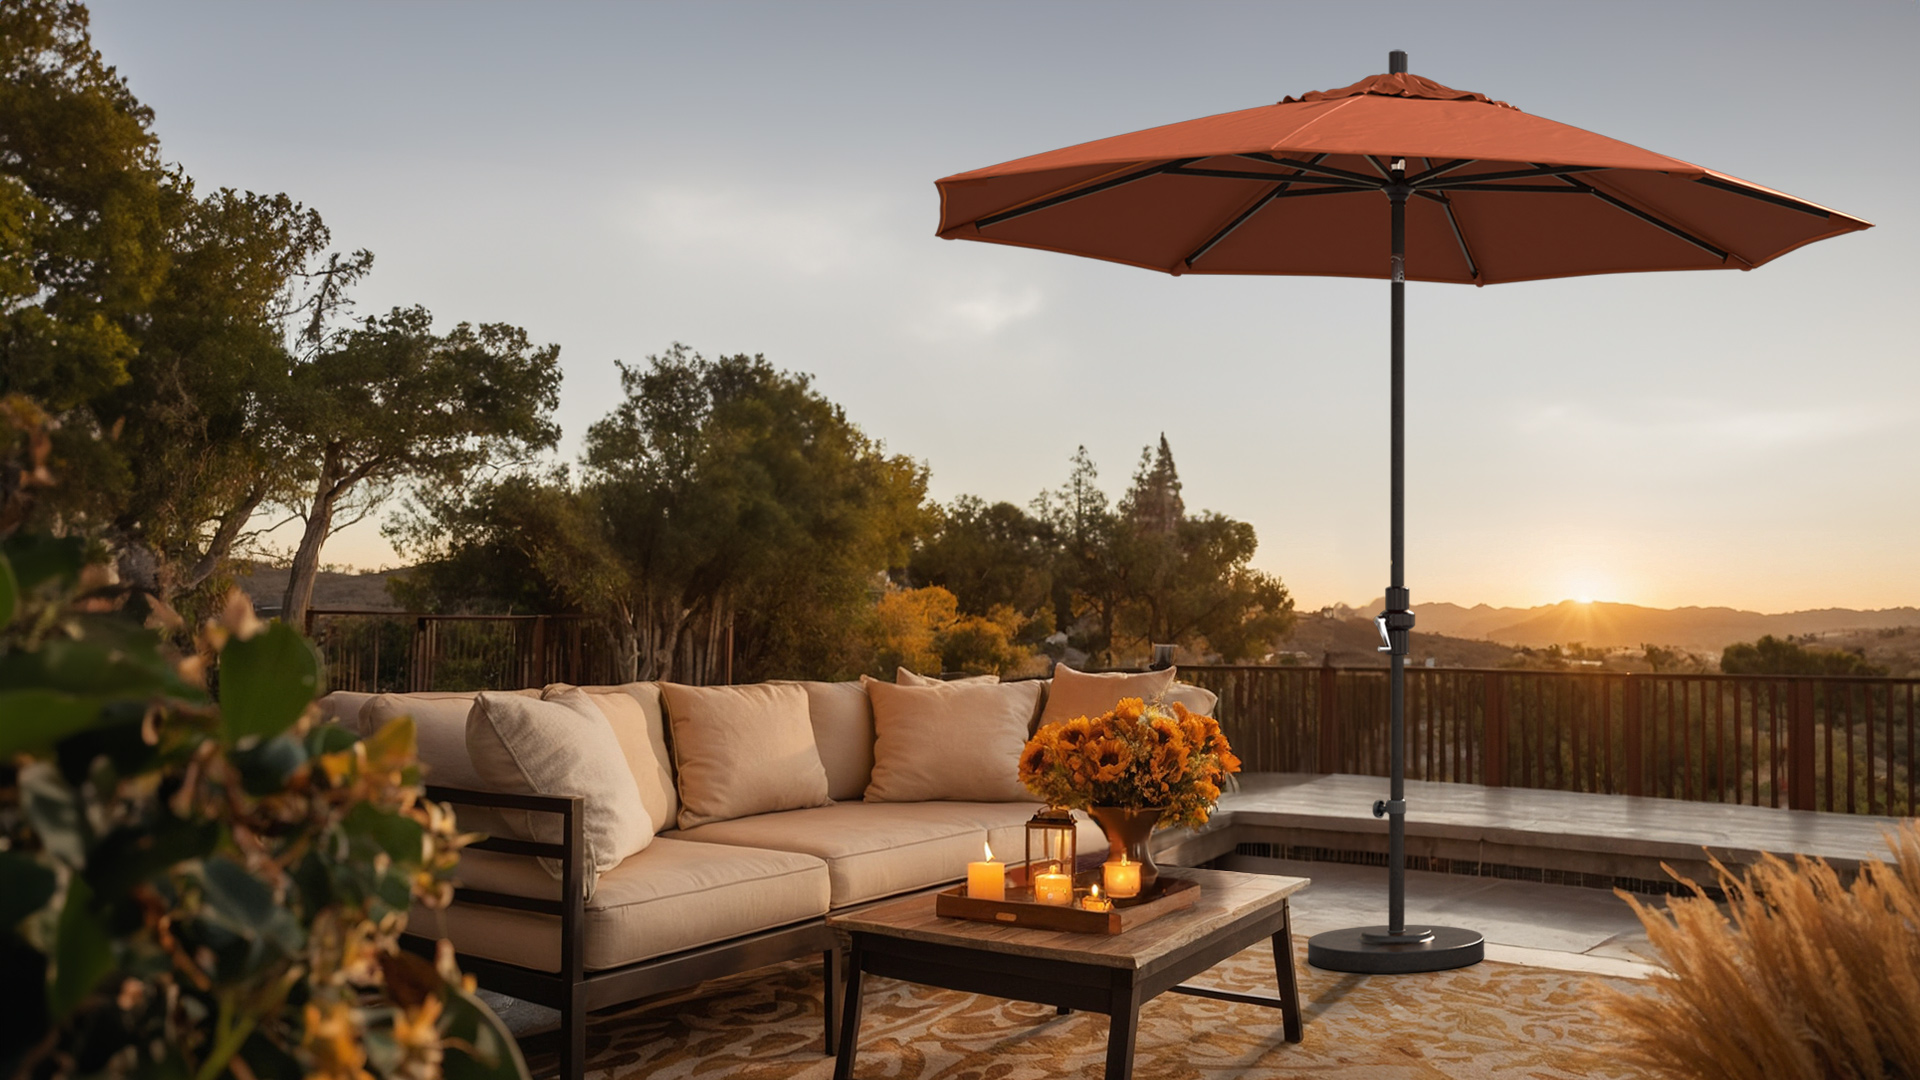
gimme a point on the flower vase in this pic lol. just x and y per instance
(1127, 834)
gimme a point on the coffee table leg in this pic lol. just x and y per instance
(1289, 984)
(1123, 1015)
(830, 996)
(850, 1023)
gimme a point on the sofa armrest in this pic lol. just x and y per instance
(571, 906)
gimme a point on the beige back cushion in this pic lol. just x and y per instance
(1197, 699)
(903, 677)
(1077, 693)
(343, 707)
(562, 745)
(958, 741)
(842, 720)
(440, 730)
(639, 722)
(741, 750)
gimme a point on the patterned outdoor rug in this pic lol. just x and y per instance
(1491, 1020)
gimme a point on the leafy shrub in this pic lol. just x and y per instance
(1803, 977)
(194, 890)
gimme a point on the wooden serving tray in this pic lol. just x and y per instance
(1168, 895)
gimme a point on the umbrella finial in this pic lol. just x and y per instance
(1397, 62)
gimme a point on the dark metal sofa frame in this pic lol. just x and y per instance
(575, 991)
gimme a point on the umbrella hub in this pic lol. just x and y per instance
(1397, 84)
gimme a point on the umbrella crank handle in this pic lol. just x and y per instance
(1393, 626)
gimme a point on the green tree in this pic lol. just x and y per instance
(740, 496)
(718, 495)
(1089, 575)
(1148, 572)
(1775, 656)
(989, 556)
(203, 428)
(83, 213)
(390, 402)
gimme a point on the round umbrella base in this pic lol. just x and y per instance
(1371, 950)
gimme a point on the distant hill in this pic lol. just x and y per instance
(1605, 625)
(266, 585)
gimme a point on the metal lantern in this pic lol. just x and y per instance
(1050, 843)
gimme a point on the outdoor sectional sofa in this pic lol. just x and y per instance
(764, 808)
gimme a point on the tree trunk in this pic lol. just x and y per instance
(306, 559)
(221, 545)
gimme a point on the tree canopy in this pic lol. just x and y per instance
(194, 352)
(1776, 656)
(719, 496)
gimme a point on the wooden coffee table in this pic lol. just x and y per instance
(1112, 975)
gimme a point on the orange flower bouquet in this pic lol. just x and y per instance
(1136, 757)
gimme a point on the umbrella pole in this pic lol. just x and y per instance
(1396, 948)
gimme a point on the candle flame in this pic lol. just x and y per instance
(1053, 868)
(1096, 892)
(988, 848)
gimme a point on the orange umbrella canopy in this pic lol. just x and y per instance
(1296, 188)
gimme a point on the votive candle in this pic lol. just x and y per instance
(1122, 878)
(1093, 901)
(1053, 887)
(987, 880)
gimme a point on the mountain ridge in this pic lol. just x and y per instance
(1606, 624)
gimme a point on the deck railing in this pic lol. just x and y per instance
(392, 652)
(1844, 744)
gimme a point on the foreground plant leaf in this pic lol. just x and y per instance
(266, 682)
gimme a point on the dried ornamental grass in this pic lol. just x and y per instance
(1802, 977)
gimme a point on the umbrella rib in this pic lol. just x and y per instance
(1105, 185)
(1515, 174)
(1768, 197)
(1437, 170)
(1651, 219)
(1231, 174)
(1325, 170)
(1539, 189)
(1459, 237)
(1240, 220)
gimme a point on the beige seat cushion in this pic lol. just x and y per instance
(842, 720)
(671, 897)
(640, 724)
(880, 849)
(950, 741)
(562, 745)
(740, 750)
(1078, 693)
(903, 677)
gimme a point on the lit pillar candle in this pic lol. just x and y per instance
(1053, 887)
(1122, 878)
(987, 880)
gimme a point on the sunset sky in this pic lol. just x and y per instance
(759, 178)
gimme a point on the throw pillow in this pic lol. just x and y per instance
(903, 677)
(633, 711)
(958, 741)
(1078, 693)
(742, 750)
(842, 720)
(562, 745)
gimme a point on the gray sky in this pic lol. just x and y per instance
(758, 177)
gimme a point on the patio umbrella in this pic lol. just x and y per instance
(1395, 177)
